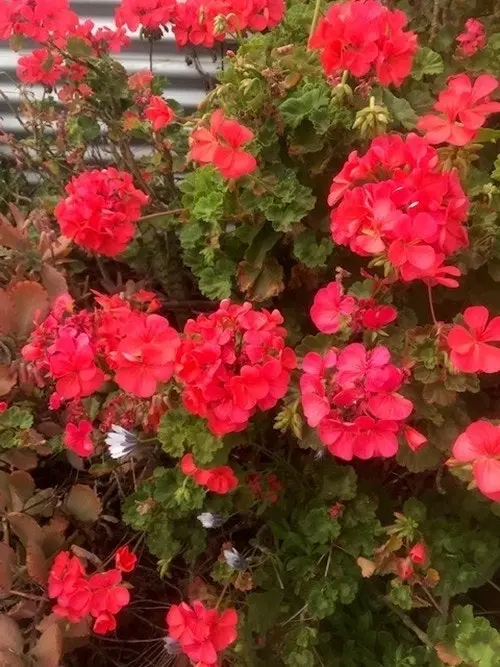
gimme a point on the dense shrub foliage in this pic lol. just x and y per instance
(250, 357)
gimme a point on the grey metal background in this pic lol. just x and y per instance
(186, 85)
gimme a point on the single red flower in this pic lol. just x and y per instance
(159, 113)
(77, 438)
(41, 66)
(464, 107)
(418, 554)
(150, 14)
(125, 560)
(145, 356)
(107, 593)
(104, 623)
(72, 365)
(471, 349)
(3, 406)
(378, 317)
(479, 445)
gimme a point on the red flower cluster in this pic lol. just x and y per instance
(265, 488)
(479, 446)
(218, 480)
(332, 310)
(232, 363)
(365, 37)
(71, 349)
(100, 210)
(471, 349)
(195, 20)
(41, 66)
(39, 20)
(79, 595)
(221, 146)
(473, 39)
(202, 633)
(148, 14)
(352, 398)
(464, 107)
(404, 209)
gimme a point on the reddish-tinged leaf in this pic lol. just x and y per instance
(22, 459)
(11, 639)
(8, 561)
(8, 378)
(25, 527)
(260, 281)
(366, 566)
(18, 216)
(22, 486)
(53, 281)
(7, 320)
(10, 236)
(22, 610)
(30, 301)
(48, 649)
(82, 503)
(8, 659)
(447, 655)
(36, 563)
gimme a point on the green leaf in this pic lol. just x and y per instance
(427, 62)
(264, 609)
(77, 47)
(205, 194)
(401, 595)
(180, 432)
(400, 109)
(309, 251)
(260, 282)
(216, 281)
(16, 417)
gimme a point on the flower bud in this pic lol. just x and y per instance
(418, 553)
(404, 569)
(372, 120)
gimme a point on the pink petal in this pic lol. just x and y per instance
(390, 406)
(487, 476)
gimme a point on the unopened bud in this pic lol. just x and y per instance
(372, 120)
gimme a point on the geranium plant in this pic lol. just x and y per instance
(249, 377)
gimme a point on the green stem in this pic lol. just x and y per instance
(315, 18)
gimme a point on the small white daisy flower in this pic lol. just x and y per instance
(235, 560)
(121, 443)
(209, 520)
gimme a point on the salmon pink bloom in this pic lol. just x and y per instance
(202, 633)
(331, 308)
(473, 39)
(471, 349)
(414, 439)
(77, 438)
(221, 146)
(464, 107)
(159, 113)
(72, 365)
(479, 446)
(125, 559)
(352, 398)
(145, 357)
(418, 554)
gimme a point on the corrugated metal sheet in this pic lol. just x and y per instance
(186, 85)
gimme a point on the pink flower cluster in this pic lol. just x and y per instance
(473, 39)
(332, 310)
(351, 397)
(71, 350)
(202, 633)
(100, 210)
(221, 144)
(479, 447)
(78, 595)
(365, 38)
(232, 363)
(464, 106)
(396, 203)
(218, 480)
